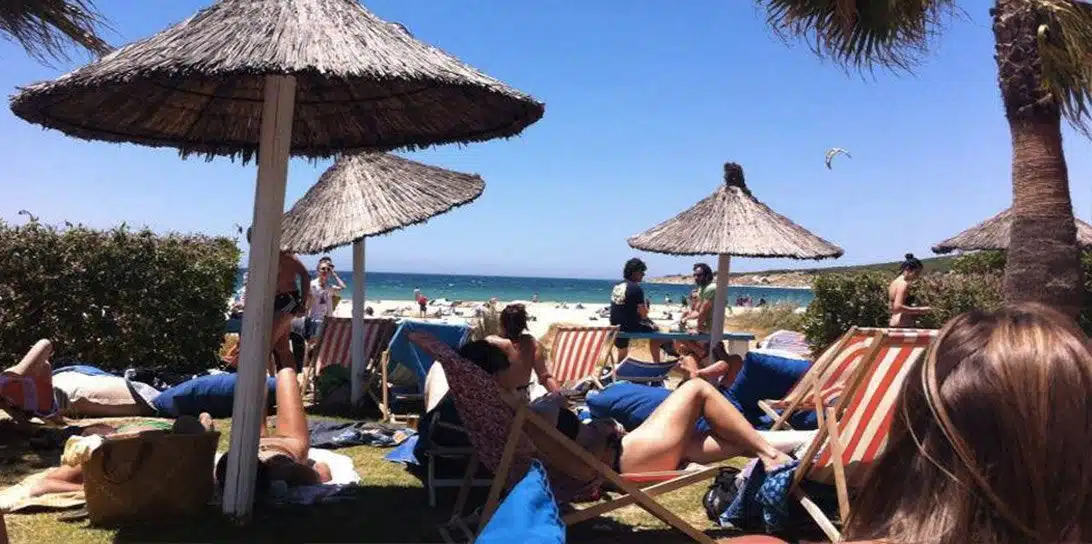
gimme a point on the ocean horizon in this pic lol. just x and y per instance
(400, 286)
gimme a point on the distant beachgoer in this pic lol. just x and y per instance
(422, 301)
(903, 315)
(761, 302)
(369, 311)
(696, 353)
(534, 298)
(629, 309)
(667, 299)
(524, 353)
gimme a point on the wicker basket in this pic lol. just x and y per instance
(155, 475)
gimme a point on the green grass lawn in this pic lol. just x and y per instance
(390, 506)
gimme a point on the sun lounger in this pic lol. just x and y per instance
(403, 367)
(638, 371)
(507, 435)
(335, 347)
(853, 434)
(577, 352)
(829, 374)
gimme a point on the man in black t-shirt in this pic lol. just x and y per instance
(629, 309)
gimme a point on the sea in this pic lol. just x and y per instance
(400, 286)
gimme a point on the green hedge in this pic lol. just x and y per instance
(975, 281)
(116, 298)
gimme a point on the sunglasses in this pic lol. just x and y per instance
(325, 269)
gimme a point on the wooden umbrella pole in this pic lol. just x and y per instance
(248, 408)
(716, 331)
(357, 384)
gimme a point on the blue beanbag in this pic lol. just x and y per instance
(627, 403)
(213, 394)
(766, 375)
(528, 514)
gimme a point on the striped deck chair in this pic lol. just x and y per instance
(829, 373)
(853, 434)
(577, 352)
(507, 435)
(337, 340)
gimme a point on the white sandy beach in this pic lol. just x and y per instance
(543, 314)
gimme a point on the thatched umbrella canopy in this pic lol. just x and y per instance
(371, 194)
(367, 195)
(731, 221)
(993, 233)
(361, 84)
(310, 78)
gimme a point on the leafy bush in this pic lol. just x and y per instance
(952, 294)
(842, 301)
(116, 298)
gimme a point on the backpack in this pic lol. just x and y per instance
(721, 493)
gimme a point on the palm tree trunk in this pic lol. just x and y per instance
(1043, 262)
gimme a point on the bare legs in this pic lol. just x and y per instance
(667, 438)
(35, 365)
(291, 434)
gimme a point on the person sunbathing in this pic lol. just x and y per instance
(669, 440)
(69, 477)
(28, 385)
(283, 456)
(524, 353)
(990, 439)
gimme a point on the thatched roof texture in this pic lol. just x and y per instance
(370, 194)
(363, 84)
(732, 222)
(993, 233)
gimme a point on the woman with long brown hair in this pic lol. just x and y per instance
(991, 439)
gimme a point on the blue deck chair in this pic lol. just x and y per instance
(638, 371)
(404, 366)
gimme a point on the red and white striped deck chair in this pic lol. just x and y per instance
(337, 340)
(853, 434)
(578, 351)
(829, 373)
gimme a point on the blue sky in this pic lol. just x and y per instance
(644, 103)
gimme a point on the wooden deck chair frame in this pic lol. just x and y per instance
(372, 353)
(434, 452)
(830, 435)
(801, 395)
(604, 354)
(633, 492)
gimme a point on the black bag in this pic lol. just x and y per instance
(720, 494)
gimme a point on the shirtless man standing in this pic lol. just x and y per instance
(524, 353)
(293, 294)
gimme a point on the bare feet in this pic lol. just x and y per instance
(206, 421)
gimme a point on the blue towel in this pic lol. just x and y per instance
(406, 353)
(86, 370)
(528, 515)
(404, 453)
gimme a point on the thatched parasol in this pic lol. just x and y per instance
(730, 222)
(371, 194)
(361, 84)
(367, 195)
(309, 78)
(993, 233)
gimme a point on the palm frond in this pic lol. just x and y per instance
(46, 28)
(861, 34)
(1065, 48)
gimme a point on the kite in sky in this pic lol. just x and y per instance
(835, 151)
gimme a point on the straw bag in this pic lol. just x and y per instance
(154, 475)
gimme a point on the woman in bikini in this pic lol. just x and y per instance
(524, 353)
(903, 315)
